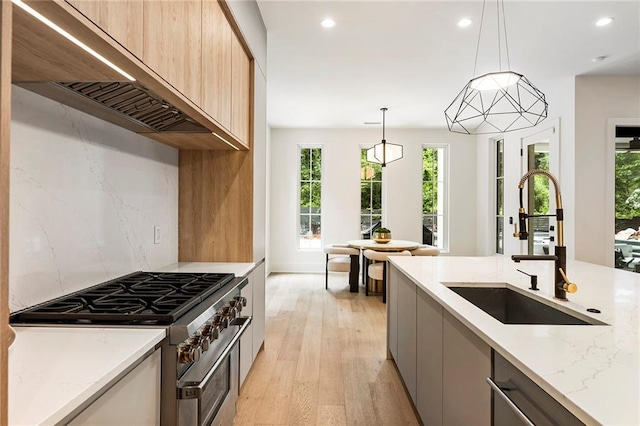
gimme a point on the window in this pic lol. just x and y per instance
(434, 194)
(370, 195)
(310, 193)
(500, 196)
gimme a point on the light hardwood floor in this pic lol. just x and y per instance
(324, 360)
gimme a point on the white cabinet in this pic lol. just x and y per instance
(133, 400)
(253, 337)
(246, 341)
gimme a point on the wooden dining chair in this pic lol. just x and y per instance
(378, 270)
(340, 258)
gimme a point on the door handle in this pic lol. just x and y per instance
(508, 401)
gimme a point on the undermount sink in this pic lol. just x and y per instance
(511, 307)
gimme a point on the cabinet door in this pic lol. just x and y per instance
(119, 18)
(173, 43)
(429, 359)
(216, 63)
(406, 360)
(240, 91)
(259, 310)
(392, 312)
(246, 341)
(134, 400)
(465, 367)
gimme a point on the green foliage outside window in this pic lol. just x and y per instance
(541, 184)
(627, 186)
(429, 181)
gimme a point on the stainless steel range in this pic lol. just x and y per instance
(200, 357)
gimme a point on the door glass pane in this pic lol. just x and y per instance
(538, 199)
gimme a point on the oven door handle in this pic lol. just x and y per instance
(195, 391)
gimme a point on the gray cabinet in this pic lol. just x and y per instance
(429, 360)
(246, 341)
(443, 364)
(392, 312)
(407, 338)
(466, 364)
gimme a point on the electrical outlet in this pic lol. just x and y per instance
(156, 234)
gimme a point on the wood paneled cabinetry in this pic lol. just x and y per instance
(121, 19)
(193, 45)
(240, 91)
(172, 43)
(226, 72)
(216, 63)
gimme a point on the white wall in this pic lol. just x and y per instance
(341, 190)
(583, 106)
(598, 99)
(85, 196)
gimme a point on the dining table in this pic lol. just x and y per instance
(393, 245)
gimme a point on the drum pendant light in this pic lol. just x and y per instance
(384, 152)
(496, 102)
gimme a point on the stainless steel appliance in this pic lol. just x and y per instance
(202, 315)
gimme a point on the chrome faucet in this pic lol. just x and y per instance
(562, 285)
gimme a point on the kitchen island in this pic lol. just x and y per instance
(591, 370)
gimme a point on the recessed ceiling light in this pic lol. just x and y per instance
(328, 23)
(464, 22)
(604, 21)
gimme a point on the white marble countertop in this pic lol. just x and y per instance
(594, 371)
(52, 370)
(239, 269)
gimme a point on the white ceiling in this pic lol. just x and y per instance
(411, 57)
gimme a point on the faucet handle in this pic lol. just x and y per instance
(568, 286)
(515, 230)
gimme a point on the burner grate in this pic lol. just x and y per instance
(138, 298)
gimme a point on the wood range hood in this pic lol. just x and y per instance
(46, 62)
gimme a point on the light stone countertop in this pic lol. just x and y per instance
(239, 269)
(53, 371)
(594, 370)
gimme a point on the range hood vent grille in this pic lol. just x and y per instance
(136, 104)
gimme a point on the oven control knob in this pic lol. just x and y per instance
(196, 342)
(209, 332)
(201, 341)
(236, 304)
(188, 353)
(230, 312)
(242, 300)
(220, 321)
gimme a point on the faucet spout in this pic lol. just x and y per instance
(561, 283)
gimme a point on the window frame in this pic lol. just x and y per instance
(498, 218)
(299, 181)
(443, 233)
(363, 150)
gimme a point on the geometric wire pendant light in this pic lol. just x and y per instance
(384, 152)
(496, 102)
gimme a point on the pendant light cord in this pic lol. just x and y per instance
(506, 43)
(475, 64)
(500, 11)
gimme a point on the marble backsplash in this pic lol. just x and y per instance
(85, 196)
